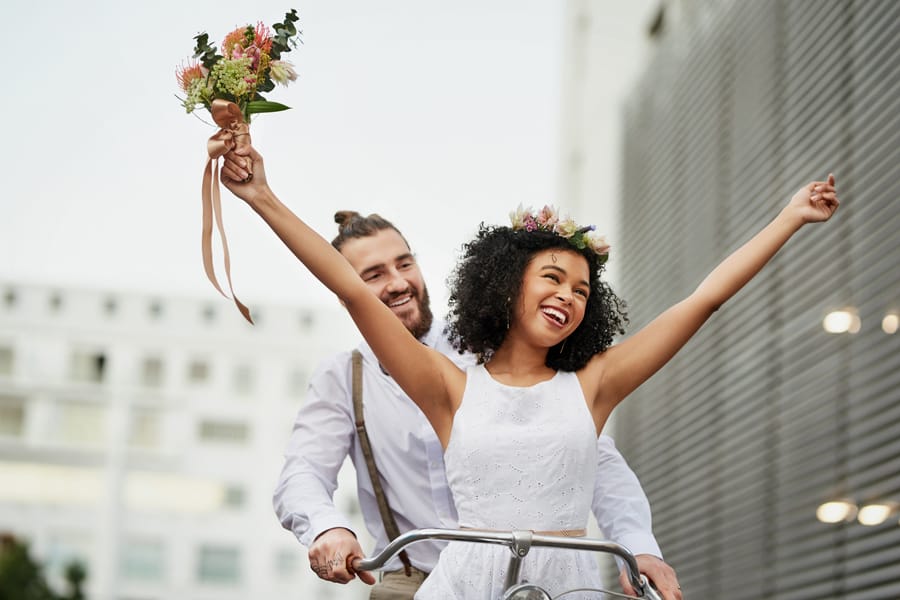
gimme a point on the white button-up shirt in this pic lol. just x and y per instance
(410, 461)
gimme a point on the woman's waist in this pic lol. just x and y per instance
(564, 532)
(549, 523)
(505, 515)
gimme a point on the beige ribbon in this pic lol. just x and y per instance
(234, 133)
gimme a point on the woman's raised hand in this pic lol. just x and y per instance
(236, 176)
(816, 201)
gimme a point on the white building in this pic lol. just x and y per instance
(143, 435)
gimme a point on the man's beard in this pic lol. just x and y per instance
(426, 318)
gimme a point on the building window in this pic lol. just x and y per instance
(110, 306)
(88, 366)
(7, 360)
(198, 371)
(155, 309)
(244, 380)
(145, 429)
(55, 302)
(219, 564)
(297, 382)
(152, 372)
(9, 298)
(235, 497)
(142, 560)
(80, 423)
(209, 313)
(287, 563)
(231, 432)
(307, 320)
(12, 416)
(63, 549)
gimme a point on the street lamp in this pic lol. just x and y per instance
(875, 513)
(890, 323)
(843, 320)
(836, 511)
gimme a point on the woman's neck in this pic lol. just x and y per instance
(519, 364)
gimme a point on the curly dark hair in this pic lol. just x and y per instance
(486, 283)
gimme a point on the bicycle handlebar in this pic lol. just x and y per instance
(519, 542)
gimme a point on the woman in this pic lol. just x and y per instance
(519, 429)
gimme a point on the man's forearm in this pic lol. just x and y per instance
(620, 505)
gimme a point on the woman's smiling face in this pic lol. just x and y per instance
(554, 294)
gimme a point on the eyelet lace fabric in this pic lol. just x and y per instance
(518, 458)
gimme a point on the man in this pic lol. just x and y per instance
(407, 451)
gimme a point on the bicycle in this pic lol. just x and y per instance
(520, 543)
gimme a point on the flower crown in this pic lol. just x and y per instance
(547, 219)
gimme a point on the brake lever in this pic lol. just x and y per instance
(650, 592)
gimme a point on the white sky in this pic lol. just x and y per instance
(436, 114)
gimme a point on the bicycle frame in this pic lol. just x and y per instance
(519, 543)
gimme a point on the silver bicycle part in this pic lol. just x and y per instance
(650, 593)
(519, 543)
(526, 591)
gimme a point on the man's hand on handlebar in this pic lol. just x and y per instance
(330, 555)
(660, 574)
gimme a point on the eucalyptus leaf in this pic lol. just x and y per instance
(283, 40)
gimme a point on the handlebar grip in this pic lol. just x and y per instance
(353, 563)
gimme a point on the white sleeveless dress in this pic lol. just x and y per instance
(518, 458)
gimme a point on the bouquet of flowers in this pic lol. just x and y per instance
(230, 85)
(250, 65)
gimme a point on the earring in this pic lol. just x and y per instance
(563, 345)
(508, 309)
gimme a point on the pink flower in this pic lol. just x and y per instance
(548, 217)
(253, 53)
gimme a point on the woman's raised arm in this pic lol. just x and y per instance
(419, 370)
(625, 366)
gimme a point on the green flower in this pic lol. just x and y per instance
(198, 94)
(234, 78)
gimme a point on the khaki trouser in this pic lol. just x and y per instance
(395, 585)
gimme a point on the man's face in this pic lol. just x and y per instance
(387, 266)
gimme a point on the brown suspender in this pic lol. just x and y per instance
(387, 517)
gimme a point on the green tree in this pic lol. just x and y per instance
(75, 576)
(22, 577)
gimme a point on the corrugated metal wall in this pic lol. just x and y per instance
(764, 415)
